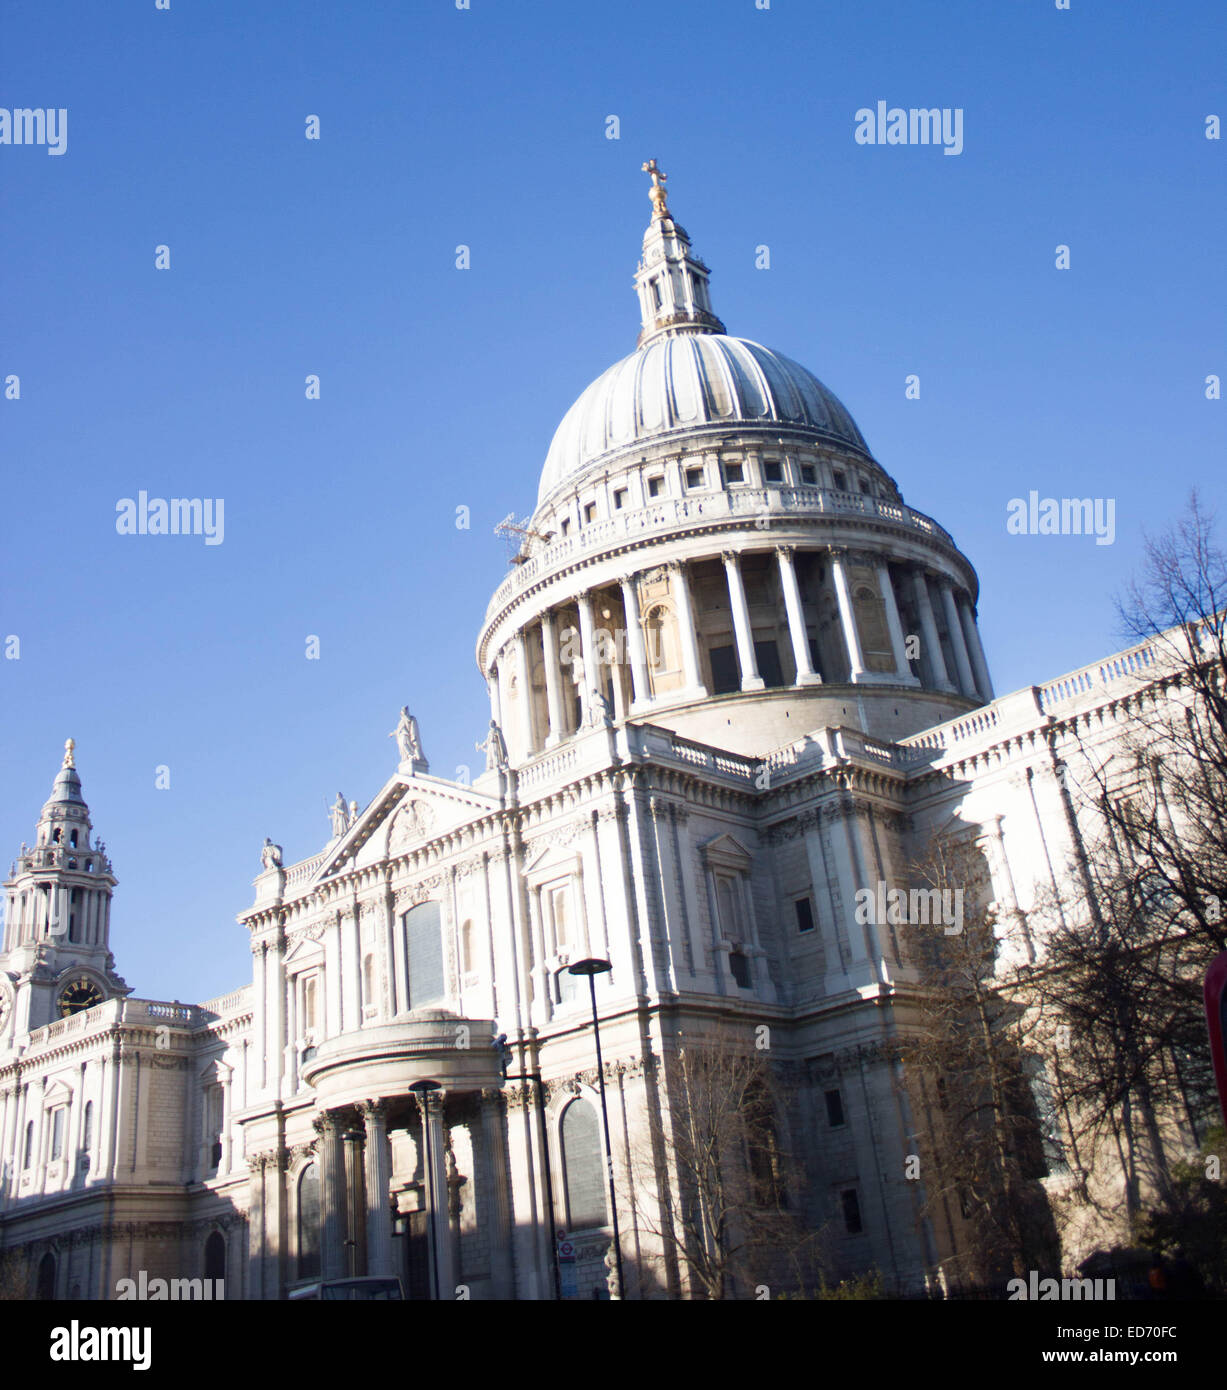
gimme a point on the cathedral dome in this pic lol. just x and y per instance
(685, 382)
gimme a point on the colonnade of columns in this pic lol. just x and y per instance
(355, 1174)
(964, 672)
(47, 910)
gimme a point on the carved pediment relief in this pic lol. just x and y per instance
(412, 821)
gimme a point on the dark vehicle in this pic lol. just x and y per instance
(366, 1288)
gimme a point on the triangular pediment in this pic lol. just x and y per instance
(726, 850)
(305, 952)
(408, 811)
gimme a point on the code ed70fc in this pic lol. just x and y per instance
(1087, 1333)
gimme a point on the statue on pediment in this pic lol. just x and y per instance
(409, 740)
(495, 748)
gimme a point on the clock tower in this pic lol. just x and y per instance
(56, 958)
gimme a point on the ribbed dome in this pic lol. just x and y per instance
(686, 382)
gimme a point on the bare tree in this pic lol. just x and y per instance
(732, 1217)
(1128, 942)
(967, 1049)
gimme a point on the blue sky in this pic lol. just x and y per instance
(442, 388)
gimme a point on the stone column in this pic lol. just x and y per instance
(496, 712)
(928, 631)
(750, 679)
(351, 978)
(592, 672)
(275, 1221)
(276, 1020)
(259, 1024)
(887, 589)
(223, 1167)
(378, 1179)
(355, 1201)
(333, 1264)
(493, 1131)
(553, 679)
(847, 618)
(967, 683)
(505, 703)
(434, 1163)
(634, 641)
(971, 633)
(806, 675)
(680, 589)
(525, 690)
(255, 1225)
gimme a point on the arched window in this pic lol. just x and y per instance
(215, 1256)
(307, 1003)
(28, 1152)
(309, 1222)
(424, 952)
(58, 1117)
(213, 1107)
(583, 1166)
(45, 1287)
(72, 839)
(87, 1127)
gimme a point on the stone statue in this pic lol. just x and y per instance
(408, 741)
(658, 192)
(598, 707)
(270, 854)
(495, 749)
(611, 1273)
(339, 815)
(353, 815)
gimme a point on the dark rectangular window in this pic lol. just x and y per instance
(654, 486)
(852, 1211)
(773, 471)
(835, 1108)
(805, 914)
(767, 658)
(589, 513)
(734, 473)
(424, 950)
(809, 474)
(694, 477)
(565, 525)
(841, 480)
(740, 967)
(620, 499)
(725, 677)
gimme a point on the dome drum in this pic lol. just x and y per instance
(713, 539)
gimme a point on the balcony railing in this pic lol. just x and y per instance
(678, 513)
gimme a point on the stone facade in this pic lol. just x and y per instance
(733, 679)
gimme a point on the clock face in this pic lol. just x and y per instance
(78, 995)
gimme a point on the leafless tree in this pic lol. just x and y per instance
(968, 1060)
(733, 1217)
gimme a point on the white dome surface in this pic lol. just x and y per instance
(687, 382)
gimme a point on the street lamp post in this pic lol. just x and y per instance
(593, 968)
